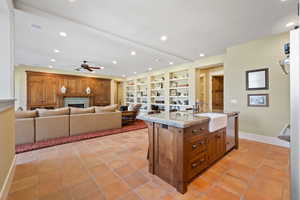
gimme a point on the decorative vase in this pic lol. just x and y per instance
(63, 90)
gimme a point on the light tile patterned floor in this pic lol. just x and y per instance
(115, 167)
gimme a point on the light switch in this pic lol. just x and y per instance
(233, 101)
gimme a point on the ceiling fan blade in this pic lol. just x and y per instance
(89, 68)
(95, 67)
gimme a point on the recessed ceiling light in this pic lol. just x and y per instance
(290, 24)
(163, 38)
(56, 51)
(114, 62)
(171, 63)
(133, 53)
(53, 60)
(202, 54)
(101, 67)
(63, 34)
(134, 72)
(150, 68)
(50, 66)
(123, 75)
(283, 0)
(71, 1)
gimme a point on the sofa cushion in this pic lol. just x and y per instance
(74, 111)
(58, 111)
(52, 127)
(88, 123)
(26, 114)
(101, 109)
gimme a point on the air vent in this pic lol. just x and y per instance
(36, 26)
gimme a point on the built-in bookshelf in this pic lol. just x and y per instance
(167, 91)
(157, 93)
(142, 92)
(179, 90)
(130, 92)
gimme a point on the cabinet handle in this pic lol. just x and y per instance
(195, 164)
(194, 146)
(197, 130)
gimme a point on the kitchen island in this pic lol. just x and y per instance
(183, 144)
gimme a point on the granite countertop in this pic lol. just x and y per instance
(182, 119)
(178, 119)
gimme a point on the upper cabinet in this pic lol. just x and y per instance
(102, 93)
(44, 89)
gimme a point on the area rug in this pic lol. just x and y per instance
(63, 140)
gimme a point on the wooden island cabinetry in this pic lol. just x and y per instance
(178, 154)
(43, 89)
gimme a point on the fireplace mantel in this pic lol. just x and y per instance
(75, 95)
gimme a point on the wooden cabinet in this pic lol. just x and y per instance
(34, 91)
(50, 91)
(43, 89)
(102, 89)
(216, 145)
(178, 155)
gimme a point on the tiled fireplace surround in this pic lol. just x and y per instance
(81, 102)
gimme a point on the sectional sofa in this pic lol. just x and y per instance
(43, 124)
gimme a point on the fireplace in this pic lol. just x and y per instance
(78, 102)
(77, 105)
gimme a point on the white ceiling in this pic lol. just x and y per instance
(107, 30)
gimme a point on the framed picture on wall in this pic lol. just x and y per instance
(257, 79)
(258, 100)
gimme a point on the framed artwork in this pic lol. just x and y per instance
(257, 79)
(258, 100)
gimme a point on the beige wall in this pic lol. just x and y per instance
(7, 142)
(119, 93)
(20, 81)
(264, 53)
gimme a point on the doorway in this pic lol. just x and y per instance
(209, 88)
(217, 93)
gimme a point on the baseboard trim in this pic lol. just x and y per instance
(8, 181)
(263, 139)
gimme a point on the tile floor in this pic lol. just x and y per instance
(115, 167)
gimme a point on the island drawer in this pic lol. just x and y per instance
(195, 133)
(197, 147)
(197, 165)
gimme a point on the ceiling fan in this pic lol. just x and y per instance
(84, 66)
